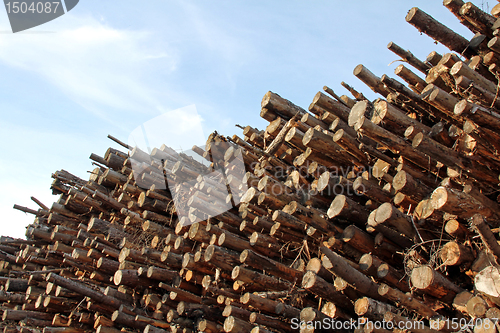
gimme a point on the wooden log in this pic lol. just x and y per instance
(370, 79)
(336, 108)
(359, 239)
(406, 300)
(480, 115)
(392, 276)
(408, 57)
(477, 307)
(17, 315)
(403, 182)
(433, 58)
(454, 7)
(453, 253)
(294, 137)
(153, 329)
(443, 101)
(394, 143)
(433, 283)
(322, 142)
(288, 220)
(275, 268)
(161, 274)
(350, 144)
(313, 121)
(373, 309)
(315, 265)
(489, 240)
(267, 321)
(221, 257)
(273, 101)
(456, 229)
(344, 207)
(460, 68)
(456, 202)
(233, 324)
(415, 81)
(388, 214)
(372, 189)
(205, 325)
(126, 319)
(260, 303)
(340, 267)
(394, 119)
(83, 290)
(481, 21)
(320, 287)
(450, 158)
(369, 263)
(16, 285)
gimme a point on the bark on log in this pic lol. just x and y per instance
(489, 240)
(433, 283)
(406, 300)
(408, 57)
(340, 267)
(437, 31)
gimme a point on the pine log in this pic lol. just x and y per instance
(414, 81)
(460, 68)
(320, 287)
(336, 108)
(437, 31)
(344, 207)
(370, 79)
(394, 143)
(453, 253)
(387, 213)
(84, 290)
(481, 21)
(480, 115)
(403, 182)
(392, 276)
(406, 300)
(233, 324)
(340, 267)
(433, 283)
(275, 268)
(249, 276)
(394, 119)
(489, 240)
(408, 57)
(459, 203)
(373, 309)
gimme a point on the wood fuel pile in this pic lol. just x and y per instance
(386, 210)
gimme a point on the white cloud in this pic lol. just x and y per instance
(180, 129)
(99, 66)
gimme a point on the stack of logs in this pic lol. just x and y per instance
(354, 209)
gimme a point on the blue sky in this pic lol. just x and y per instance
(107, 67)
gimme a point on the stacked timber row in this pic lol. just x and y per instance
(385, 210)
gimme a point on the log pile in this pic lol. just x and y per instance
(385, 210)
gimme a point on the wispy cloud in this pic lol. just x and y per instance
(95, 64)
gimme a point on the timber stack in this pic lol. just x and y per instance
(384, 210)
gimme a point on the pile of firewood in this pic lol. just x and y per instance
(385, 210)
